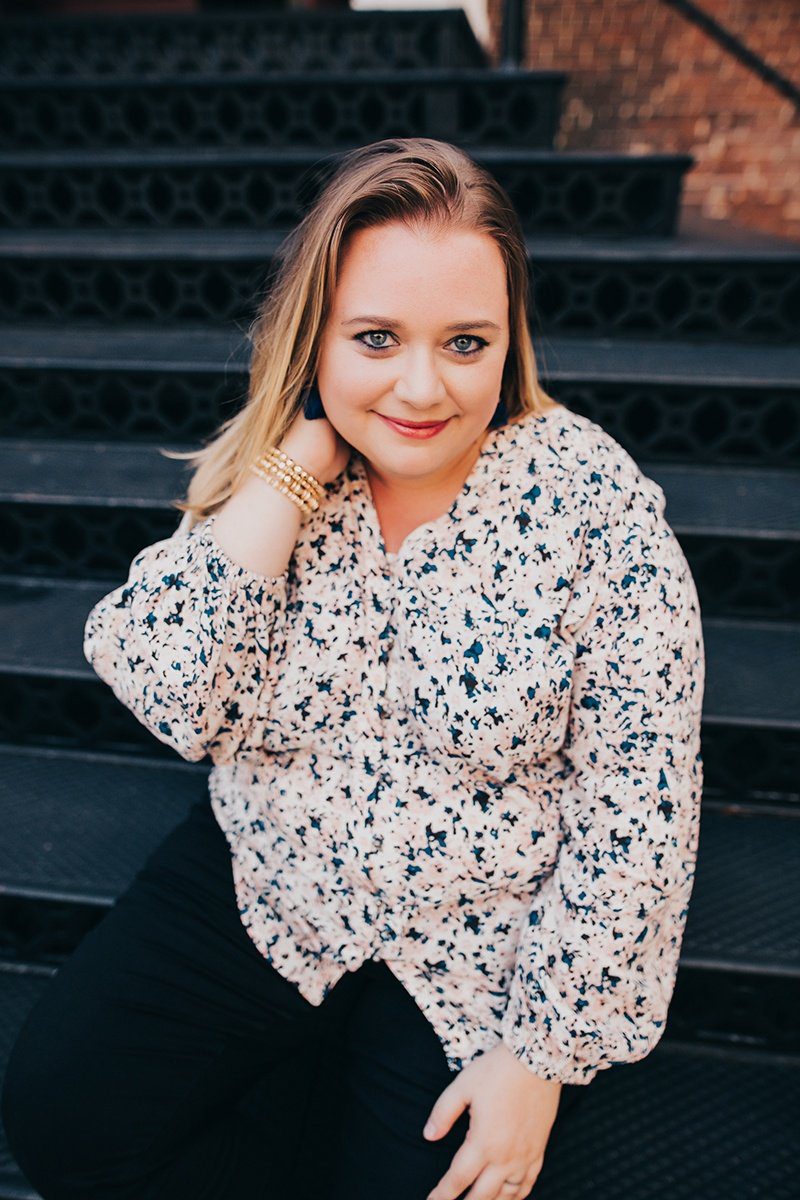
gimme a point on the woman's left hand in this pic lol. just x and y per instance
(511, 1114)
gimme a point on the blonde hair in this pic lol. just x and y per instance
(415, 180)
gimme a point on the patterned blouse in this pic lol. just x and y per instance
(477, 759)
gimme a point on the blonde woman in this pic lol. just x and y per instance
(445, 656)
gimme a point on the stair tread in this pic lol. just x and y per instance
(111, 157)
(751, 676)
(719, 500)
(77, 826)
(132, 346)
(258, 244)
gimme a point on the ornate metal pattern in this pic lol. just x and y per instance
(691, 298)
(655, 422)
(735, 577)
(235, 44)
(552, 193)
(285, 110)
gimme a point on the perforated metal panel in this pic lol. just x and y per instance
(188, 277)
(285, 111)
(717, 422)
(552, 193)
(234, 43)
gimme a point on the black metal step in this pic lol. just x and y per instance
(83, 509)
(77, 826)
(716, 403)
(723, 502)
(318, 110)
(50, 695)
(739, 971)
(561, 359)
(684, 287)
(581, 192)
(715, 1122)
(234, 42)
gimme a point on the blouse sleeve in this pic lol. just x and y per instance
(598, 952)
(185, 642)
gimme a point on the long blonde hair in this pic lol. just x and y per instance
(416, 180)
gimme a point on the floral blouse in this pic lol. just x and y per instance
(477, 759)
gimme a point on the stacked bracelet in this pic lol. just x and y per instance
(294, 481)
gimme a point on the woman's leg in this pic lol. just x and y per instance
(396, 1070)
(124, 1080)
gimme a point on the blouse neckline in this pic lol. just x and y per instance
(495, 441)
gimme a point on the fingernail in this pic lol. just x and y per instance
(429, 1130)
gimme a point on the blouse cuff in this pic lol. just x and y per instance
(561, 1070)
(273, 587)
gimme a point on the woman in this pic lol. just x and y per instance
(445, 655)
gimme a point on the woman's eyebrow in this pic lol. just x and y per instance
(377, 320)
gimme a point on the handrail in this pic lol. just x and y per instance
(735, 46)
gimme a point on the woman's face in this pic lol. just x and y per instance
(418, 332)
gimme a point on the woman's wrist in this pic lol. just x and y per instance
(305, 459)
(288, 476)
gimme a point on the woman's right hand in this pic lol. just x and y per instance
(316, 446)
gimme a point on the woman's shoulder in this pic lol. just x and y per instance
(574, 451)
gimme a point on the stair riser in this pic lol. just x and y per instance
(236, 44)
(735, 576)
(724, 1007)
(318, 114)
(707, 424)
(695, 300)
(592, 198)
(746, 764)
(702, 424)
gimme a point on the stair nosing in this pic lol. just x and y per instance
(180, 156)
(254, 245)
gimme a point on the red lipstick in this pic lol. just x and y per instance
(418, 429)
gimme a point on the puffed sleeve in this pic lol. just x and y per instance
(185, 643)
(598, 951)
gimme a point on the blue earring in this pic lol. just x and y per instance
(312, 402)
(500, 415)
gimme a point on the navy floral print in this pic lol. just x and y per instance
(477, 759)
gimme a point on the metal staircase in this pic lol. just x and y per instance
(148, 168)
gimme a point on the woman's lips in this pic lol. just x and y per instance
(412, 431)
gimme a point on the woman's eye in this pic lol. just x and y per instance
(381, 333)
(384, 333)
(470, 337)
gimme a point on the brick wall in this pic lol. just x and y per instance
(644, 78)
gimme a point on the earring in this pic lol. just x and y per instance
(500, 415)
(312, 402)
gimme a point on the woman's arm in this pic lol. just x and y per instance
(598, 954)
(186, 642)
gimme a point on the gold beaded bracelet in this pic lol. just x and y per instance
(288, 477)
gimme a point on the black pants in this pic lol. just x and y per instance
(168, 1058)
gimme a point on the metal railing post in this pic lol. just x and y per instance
(513, 34)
